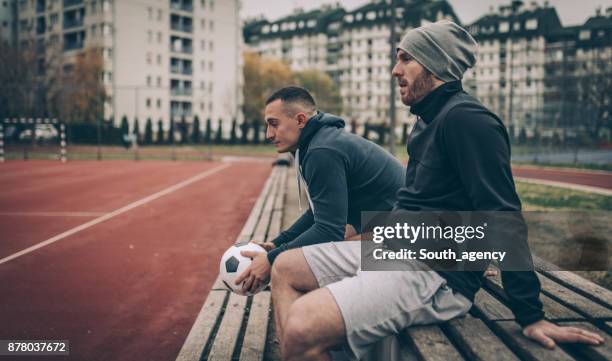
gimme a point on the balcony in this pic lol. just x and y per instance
(72, 2)
(40, 6)
(74, 18)
(181, 70)
(73, 41)
(40, 25)
(178, 26)
(181, 5)
(181, 91)
(69, 24)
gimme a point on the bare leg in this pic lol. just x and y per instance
(313, 326)
(291, 278)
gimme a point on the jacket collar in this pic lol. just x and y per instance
(430, 106)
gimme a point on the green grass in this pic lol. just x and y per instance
(588, 166)
(535, 196)
(563, 207)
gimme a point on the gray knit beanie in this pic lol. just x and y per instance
(444, 48)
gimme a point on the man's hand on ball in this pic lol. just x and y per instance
(547, 334)
(257, 273)
(268, 246)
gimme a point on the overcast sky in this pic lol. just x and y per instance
(571, 12)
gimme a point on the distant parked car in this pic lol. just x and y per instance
(42, 132)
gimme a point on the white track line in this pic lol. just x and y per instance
(115, 213)
(53, 214)
(577, 187)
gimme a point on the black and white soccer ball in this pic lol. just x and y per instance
(233, 264)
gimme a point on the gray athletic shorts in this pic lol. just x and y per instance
(377, 304)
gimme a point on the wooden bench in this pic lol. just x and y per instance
(232, 327)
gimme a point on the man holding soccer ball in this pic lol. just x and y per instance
(342, 175)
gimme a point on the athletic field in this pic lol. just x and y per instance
(117, 256)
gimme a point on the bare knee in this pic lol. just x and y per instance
(281, 269)
(297, 342)
(291, 268)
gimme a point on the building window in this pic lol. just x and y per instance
(150, 12)
(159, 59)
(148, 102)
(148, 80)
(211, 25)
(149, 36)
(159, 37)
(158, 103)
(531, 24)
(159, 81)
(504, 27)
(584, 35)
(149, 56)
(160, 14)
(203, 24)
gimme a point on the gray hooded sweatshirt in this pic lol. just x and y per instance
(345, 174)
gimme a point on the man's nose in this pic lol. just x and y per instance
(395, 71)
(269, 133)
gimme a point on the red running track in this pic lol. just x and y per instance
(130, 287)
(586, 178)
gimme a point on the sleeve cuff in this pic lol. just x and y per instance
(274, 253)
(527, 320)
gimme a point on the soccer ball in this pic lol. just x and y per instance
(233, 264)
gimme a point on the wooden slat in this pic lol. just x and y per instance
(491, 307)
(227, 335)
(280, 197)
(249, 226)
(218, 285)
(275, 225)
(477, 341)
(554, 309)
(431, 344)
(573, 299)
(574, 282)
(262, 226)
(200, 331)
(601, 352)
(527, 349)
(255, 335)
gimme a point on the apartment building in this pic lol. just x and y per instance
(353, 47)
(537, 74)
(162, 59)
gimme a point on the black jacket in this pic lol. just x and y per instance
(460, 161)
(345, 175)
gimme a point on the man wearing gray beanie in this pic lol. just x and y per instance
(459, 161)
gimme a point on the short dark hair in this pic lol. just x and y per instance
(294, 94)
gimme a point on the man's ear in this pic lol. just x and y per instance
(302, 119)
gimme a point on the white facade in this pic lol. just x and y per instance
(162, 58)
